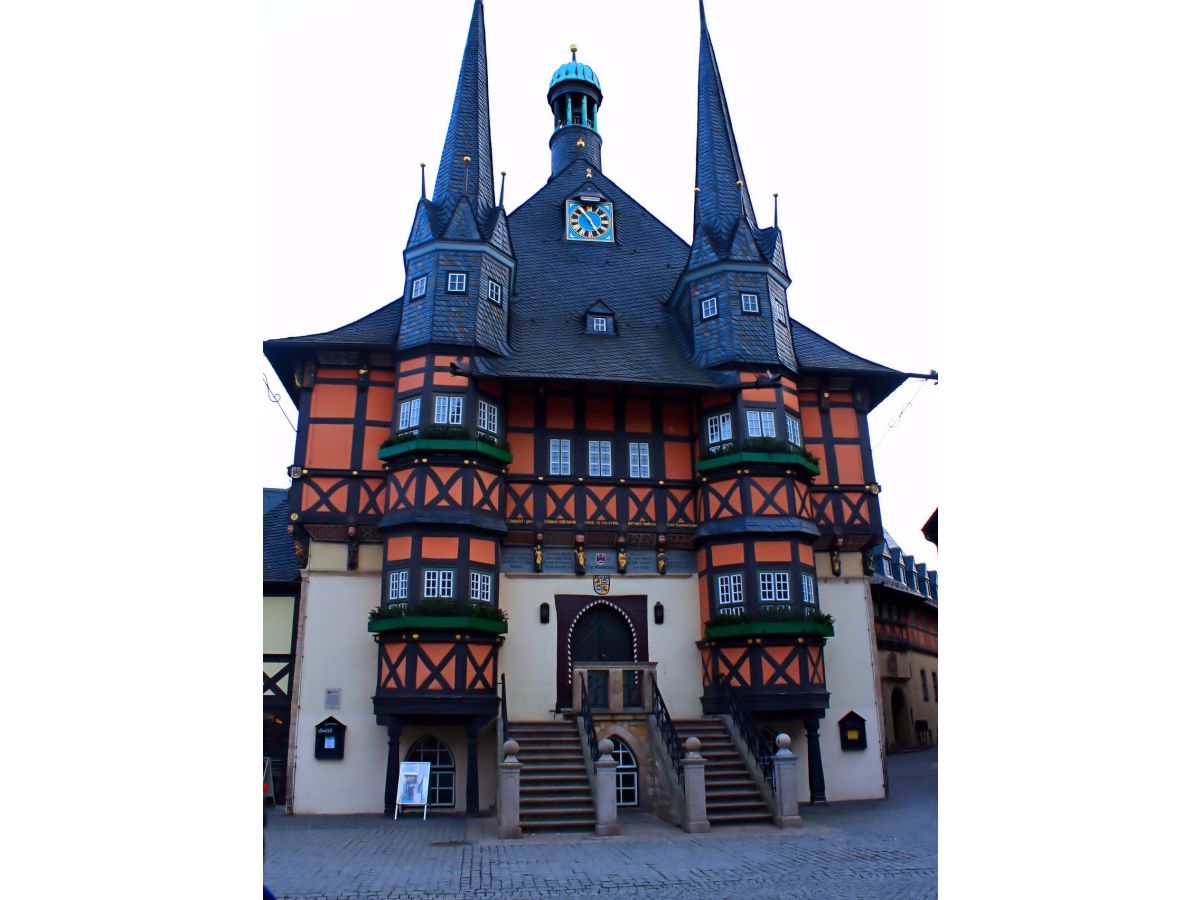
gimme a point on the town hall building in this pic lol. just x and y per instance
(585, 479)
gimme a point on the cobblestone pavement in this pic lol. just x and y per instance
(868, 850)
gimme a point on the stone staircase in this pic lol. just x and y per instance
(555, 792)
(731, 794)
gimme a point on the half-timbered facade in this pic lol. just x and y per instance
(579, 438)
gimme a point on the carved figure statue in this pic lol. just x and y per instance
(622, 560)
(579, 560)
(537, 557)
(662, 561)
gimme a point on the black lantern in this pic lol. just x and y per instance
(545, 613)
(658, 613)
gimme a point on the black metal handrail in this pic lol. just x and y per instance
(759, 749)
(585, 711)
(503, 709)
(667, 729)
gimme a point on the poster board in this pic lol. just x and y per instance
(413, 789)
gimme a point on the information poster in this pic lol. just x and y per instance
(414, 784)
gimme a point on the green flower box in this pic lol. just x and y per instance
(416, 445)
(443, 623)
(757, 629)
(752, 456)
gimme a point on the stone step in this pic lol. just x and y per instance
(561, 824)
(581, 799)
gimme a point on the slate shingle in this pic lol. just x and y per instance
(279, 557)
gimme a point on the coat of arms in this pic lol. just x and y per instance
(601, 584)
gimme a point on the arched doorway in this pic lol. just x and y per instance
(901, 727)
(441, 769)
(601, 634)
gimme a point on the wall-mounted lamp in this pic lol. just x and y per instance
(545, 613)
(658, 613)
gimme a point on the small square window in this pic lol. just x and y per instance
(750, 303)
(447, 410)
(773, 587)
(599, 323)
(418, 288)
(708, 308)
(495, 294)
(456, 282)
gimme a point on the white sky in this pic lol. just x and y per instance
(835, 107)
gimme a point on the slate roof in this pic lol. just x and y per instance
(558, 280)
(279, 557)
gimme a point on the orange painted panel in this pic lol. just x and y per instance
(719, 398)
(483, 552)
(520, 411)
(816, 666)
(743, 670)
(728, 555)
(598, 414)
(406, 384)
(767, 485)
(422, 675)
(560, 411)
(849, 463)
(675, 419)
(337, 373)
(788, 674)
(810, 422)
(844, 422)
(747, 377)
(444, 474)
(791, 401)
(329, 446)
(439, 547)
(309, 498)
(788, 383)
(379, 404)
(840, 397)
(441, 361)
(483, 482)
(333, 401)
(806, 554)
(449, 379)
(416, 364)
(522, 452)
(399, 548)
(479, 652)
(773, 551)
(759, 395)
(637, 416)
(373, 436)
(678, 458)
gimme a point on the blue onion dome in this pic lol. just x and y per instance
(574, 71)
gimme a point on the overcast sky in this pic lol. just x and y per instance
(835, 107)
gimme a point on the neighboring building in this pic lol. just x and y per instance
(281, 596)
(904, 595)
(617, 437)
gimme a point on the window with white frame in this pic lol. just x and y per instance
(447, 410)
(456, 282)
(495, 293)
(627, 773)
(750, 303)
(418, 288)
(760, 423)
(808, 589)
(560, 456)
(774, 587)
(793, 428)
(600, 458)
(481, 587)
(729, 593)
(410, 414)
(439, 583)
(780, 313)
(599, 323)
(639, 460)
(720, 428)
(708, 307)
(441, 769)
(398, 585)
(489, 416)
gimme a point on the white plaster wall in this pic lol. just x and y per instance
(338, 652)
(852, 681)
(528, 658)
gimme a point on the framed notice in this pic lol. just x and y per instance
(414, 787)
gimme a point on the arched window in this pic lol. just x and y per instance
(441, 769)
(627, 773)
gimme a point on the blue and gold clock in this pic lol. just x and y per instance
(590, 220)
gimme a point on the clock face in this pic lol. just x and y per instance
(588, 221)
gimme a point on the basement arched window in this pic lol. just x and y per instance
(441, 769)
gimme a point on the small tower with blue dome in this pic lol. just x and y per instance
(574, 97)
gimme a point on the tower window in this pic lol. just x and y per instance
(729, 594)
(410, 414)
(456, 282)
(495, 293)
(720, 428)
(398, 585)
(774, 587)
(750, 303)
(447, 410)
(439, 583)
(489, 416)
(481, 587)
(808, 590)
(418, 288)
(708, 307)
(793, 429)
(760, 423)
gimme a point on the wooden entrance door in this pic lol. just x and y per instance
(601, 635)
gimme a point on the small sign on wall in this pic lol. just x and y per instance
(331, 740)
(333, 698)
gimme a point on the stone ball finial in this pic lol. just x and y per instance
(783, 741)
(606, 747)
(511, 747)
(692, 745)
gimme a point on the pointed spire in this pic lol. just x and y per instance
(722, 198)
(422, 181)
(469, 133)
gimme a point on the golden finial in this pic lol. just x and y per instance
(740, 183)
(696, 189)
(580, 144)
(573, 49)
(468, 159)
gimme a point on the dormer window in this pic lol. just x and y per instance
(749, 303)
(418, 288)
(456, 282)
(599, 319)
(599, 323)
(708, 307)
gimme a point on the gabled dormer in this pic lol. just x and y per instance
(459, 263)
(600, 320)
